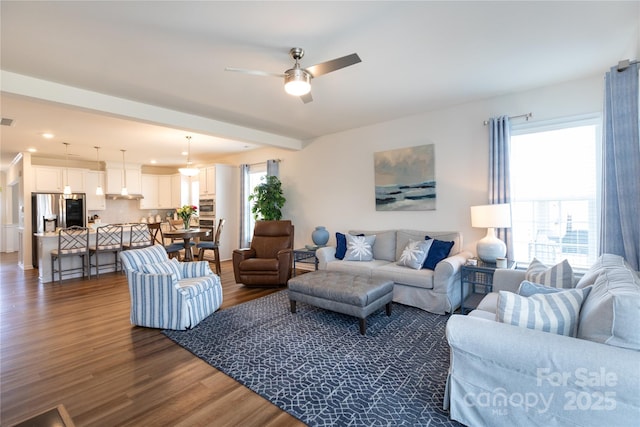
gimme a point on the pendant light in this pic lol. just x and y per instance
(189, 171)
(99, 190)
(124, 191)
(67, 187)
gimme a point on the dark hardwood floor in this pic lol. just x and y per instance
(72, 344)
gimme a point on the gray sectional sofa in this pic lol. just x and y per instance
(506, 375)
(436, 291)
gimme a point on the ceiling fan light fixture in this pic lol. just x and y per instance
(297, 82)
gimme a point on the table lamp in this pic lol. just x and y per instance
(491, 217)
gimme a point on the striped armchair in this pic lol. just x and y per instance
(166, 293)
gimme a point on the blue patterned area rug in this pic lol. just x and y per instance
(316, 366)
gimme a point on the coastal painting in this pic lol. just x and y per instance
(405, 179)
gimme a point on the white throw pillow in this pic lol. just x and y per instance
(557, 313)
(415, 253)
(558, 276)
(359, 248)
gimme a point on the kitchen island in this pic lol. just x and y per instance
(49, 241)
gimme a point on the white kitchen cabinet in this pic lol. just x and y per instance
(157, 192)
(207, 180)
(75, 178)
(149, 191)
(114, 181)
(47, 179)
(164, 192)
(94, 202)
(53, 179)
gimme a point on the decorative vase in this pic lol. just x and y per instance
(320, 236)
(187, 222)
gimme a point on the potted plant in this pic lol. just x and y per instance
(268, 199)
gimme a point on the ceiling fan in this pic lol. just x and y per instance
(297, 80)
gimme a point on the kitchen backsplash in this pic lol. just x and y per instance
(125, 211)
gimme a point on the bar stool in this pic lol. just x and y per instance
(72, 241)
(108, 239)
(213, 246)
(140, 237)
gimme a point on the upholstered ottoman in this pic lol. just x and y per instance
(344, 293)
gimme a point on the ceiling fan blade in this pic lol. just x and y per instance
(254, 72)
(333, 65)
(306, 98)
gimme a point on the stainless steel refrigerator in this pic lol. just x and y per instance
(59, 211)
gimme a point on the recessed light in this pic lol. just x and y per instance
(31, 150)
(153, 162)
(184, 153)
(48, 135)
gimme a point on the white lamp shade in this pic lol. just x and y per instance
(490, 248)
(189, 171)
(491, 216)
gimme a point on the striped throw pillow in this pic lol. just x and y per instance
(168, 267)
(558, 276)
(557, 312)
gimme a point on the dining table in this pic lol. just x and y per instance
(186, 235)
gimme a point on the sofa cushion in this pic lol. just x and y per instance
(604, 262)
(527, 289)
(557, 313)
(415, 253)
(421, 278)
(167, 267)
(558, 276)
(438, 251)
(385, 245)
(359, 248)
(357, 267)
(611, 313)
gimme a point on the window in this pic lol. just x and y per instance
(252, 179)
(555, 172)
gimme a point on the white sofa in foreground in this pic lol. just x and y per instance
(503, 374)
(436, 291)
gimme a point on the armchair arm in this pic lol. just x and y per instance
(285, 260)
(196, 269)
(151, 294)
(238, 256)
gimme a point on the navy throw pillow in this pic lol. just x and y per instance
(439, 250)
(341, 245)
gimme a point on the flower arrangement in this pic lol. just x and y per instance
(186, 212)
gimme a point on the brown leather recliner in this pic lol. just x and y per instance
(269, 260)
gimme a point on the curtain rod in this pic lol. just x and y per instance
(623, 65)
(526, 116)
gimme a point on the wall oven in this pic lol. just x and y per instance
(207, 217)
(210, 224)
(208, 207)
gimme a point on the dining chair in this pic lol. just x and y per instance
(213, 246)
(72, 241)
(108, 240)
(173, 249)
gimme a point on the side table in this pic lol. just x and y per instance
(480, 280)
(304, 256)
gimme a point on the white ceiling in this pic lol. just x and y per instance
(141, 75)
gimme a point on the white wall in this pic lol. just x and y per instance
(331, 181)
